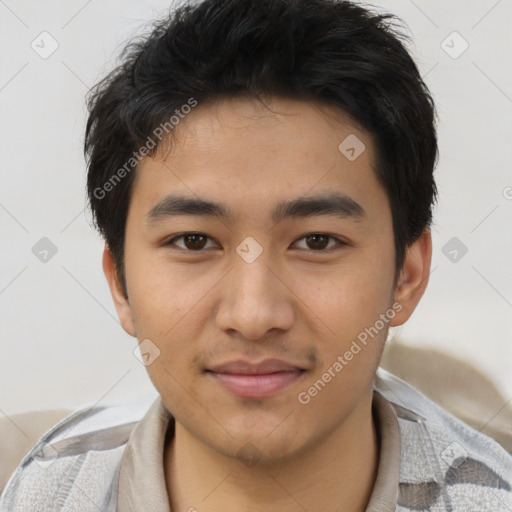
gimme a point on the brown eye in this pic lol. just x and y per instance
(321, 242)
(190, 241)
(317, 242)
(194, 241)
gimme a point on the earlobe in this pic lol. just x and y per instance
(121, 303)
(413, 278)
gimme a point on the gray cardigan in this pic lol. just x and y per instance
(445, 466)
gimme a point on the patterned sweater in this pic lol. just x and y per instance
(444, 465)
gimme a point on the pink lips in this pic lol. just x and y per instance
(250, 380)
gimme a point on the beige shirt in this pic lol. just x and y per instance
(142, 482)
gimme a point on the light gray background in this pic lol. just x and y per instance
(61, 343)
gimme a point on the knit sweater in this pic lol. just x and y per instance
(445, 466)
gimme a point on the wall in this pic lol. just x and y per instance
(62, 345)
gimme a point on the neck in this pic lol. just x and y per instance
(336, 475)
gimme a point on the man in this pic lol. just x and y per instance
(262, 173)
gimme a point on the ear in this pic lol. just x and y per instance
(123, 307)
(413, 278)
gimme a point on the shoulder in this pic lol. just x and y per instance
(89, 443)
(454, 384)
(19, 432)
(444, 462)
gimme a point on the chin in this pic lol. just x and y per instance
(254, 454)
(254, 448)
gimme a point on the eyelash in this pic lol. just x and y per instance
(339, 244)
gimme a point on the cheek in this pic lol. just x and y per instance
(350, 336)
(347, 304)
(348, 297)
(162, 294)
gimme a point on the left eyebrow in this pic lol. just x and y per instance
(339, 205)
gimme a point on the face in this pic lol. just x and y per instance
(269, 305)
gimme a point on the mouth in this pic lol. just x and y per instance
(255, 380)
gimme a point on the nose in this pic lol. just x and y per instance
(255, 300)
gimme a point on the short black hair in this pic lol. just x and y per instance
(333, 51)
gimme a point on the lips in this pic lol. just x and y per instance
(267, 366)
(255, 380)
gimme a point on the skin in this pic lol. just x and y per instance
(294, 302)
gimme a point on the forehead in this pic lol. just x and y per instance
(304, 124)
(278, 149)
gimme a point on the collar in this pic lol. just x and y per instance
(142, 481)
